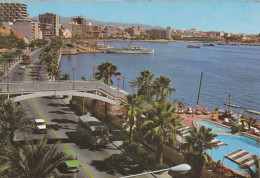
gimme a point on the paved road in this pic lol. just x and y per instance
(62, 123)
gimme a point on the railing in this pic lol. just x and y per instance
(32, 87)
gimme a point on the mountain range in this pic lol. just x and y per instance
(117, 24)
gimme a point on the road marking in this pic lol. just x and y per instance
(29, 69)
(59, 137)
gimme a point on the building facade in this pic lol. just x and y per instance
(10, 12)
(53, 20)
(23, 28)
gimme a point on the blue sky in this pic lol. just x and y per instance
(235, 16)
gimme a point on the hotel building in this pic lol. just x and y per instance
(49, 24)
(10, 12)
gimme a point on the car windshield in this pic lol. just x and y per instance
(40, 124)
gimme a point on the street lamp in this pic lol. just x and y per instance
(180, 169)
(74, 69)
(93, 73)
(118, 79)
(33, 77)
(133, 86)
(7, 82)
(123, 82)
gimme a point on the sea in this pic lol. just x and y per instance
(227, 70)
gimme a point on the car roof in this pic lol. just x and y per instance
(72, 163)
(39, 120)
(69, 152)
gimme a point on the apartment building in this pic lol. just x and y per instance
(10, 12)
(160, 34)
(48, 19)
(78, 26)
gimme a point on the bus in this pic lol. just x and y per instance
(95, 132)
(26, 59)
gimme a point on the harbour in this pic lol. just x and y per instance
(227, 70)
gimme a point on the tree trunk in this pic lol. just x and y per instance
(159, 154)
(131, 130)
(105, 110)
(12, 137)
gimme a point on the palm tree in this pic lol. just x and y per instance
(160, 85)
(161, 126)
(181, 104)
(133, 109)
(83, 78)
(195, 146)
(29, 160)
(251, 172)
(106, 70)
(143, 83)
(12, 118)
(65, 76)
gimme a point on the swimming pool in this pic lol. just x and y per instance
(234, 142)
(215, 128)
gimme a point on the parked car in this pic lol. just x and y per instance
(22, 66)
(72, 164)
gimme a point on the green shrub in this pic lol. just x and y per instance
(77, 108)
(237, 128)
(141, 155)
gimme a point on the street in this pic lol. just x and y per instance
(62, 125)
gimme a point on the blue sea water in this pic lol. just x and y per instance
(226, 70)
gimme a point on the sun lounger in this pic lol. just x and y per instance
(241, 157)
(254, 122)
(228, 122)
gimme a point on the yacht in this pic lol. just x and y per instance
(131, 50)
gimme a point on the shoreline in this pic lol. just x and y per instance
(181, 41)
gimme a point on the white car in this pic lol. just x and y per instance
(22, 67)
(40, 126)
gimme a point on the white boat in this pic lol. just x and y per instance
(131, 50)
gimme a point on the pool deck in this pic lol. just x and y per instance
(191, 119)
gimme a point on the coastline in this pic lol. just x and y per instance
(181, 41)
(82, 50)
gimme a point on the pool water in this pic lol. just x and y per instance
(215, 128)
(234, 142)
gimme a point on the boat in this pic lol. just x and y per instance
(131, 50)
(193, 46)
(208, 44)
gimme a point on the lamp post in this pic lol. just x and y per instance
(180, 169)
(7, 82)
(74, 69)
(93, 73)
(133, 87)
(123, 82)
(33, 77)
(118, 79)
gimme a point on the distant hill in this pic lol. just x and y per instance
(118, 24)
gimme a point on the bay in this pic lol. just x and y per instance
(226, 70)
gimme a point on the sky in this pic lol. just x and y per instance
(233, 16)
